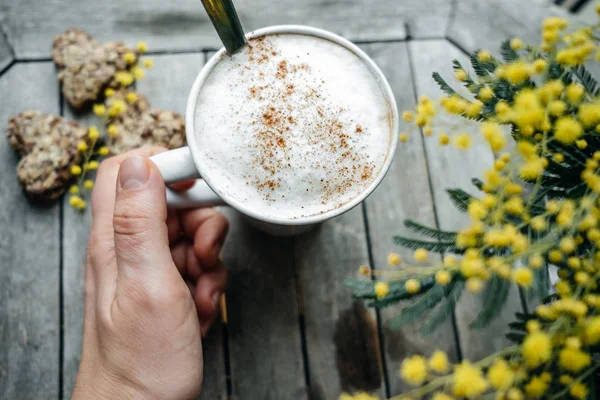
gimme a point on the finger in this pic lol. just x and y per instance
(193, 266)
(208, 228)
(103, 195)
(101, 244)
(182, 186)
(179, 254)
(140, 229)
(209, 288)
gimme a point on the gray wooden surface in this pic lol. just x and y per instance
(181, 25)
(6, 51)
(293, 330)
(29, 255)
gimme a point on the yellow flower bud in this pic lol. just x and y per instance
(408, 116)
(142, 47)
(443, 277)
(394, 259)
(99, 109)
(382, 289)
(75, 170)
(130, 57)
(112, 131)
(82, 146)
(93, 133)
(131, 97)
(443, 139)
(421, 255)
(516, 43)
(412, 286)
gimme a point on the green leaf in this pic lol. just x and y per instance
(478, 183)
(508, 54)
(430, 232)
(468, 82)
(444, 309)
(495, 296)
(515, 337)
(478, 66)
(443, 85)
(550, 298)
(416, 310)
(517, 326)
(460, 198)
(556, 71)
(503, 90)
(437, 247)
(587, 80)
(524, 316)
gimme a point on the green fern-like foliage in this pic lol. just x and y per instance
(430, 232)
(507, 52)
(495, 296)
(587, 80)
(434, 303)
(444, 309)
(443, 85)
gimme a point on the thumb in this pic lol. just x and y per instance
(139, 222)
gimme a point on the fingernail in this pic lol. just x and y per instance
(134, 173)
(215, 299)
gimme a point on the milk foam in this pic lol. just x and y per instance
(292, 126)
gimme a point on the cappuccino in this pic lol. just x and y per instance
(292, 125)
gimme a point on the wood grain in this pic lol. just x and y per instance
(485, 24)
(447, 167)
(185, 25)
(29, 254)
(342, 338)
(166, 86)
(262, 306)
(404, 194)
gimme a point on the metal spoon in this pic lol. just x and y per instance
(226, 22)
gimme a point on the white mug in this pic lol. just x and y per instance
(185, 163)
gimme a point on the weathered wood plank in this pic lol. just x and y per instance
(485, 24)
(166, 86)
(76, 227)
(404, 194)
(6, 55)
(447, 167)
(342, 339)
(29, 254)
(262, 306)
(184, 24)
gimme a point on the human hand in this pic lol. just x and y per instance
(153, 282)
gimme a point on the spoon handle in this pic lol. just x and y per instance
(226, 22)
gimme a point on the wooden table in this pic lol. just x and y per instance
(288, 311)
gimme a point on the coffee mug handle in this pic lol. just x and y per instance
(178, 165)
